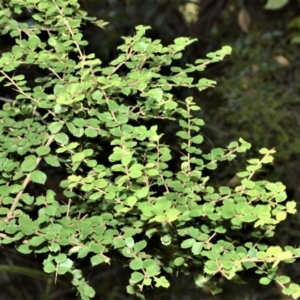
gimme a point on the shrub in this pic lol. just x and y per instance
(125, 200)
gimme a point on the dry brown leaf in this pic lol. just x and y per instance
(234, 181)
(255, 68)
(282, 60)
(244, 19)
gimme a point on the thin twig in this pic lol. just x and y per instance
(10, 214)
(6, 100)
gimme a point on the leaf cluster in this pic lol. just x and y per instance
(132, 207)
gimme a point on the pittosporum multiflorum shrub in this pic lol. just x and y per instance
(121, 194)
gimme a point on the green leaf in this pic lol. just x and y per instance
(78, 157)
(156, 94)
(105, 117)
(136, 264)
(188, 243)
(15, 188)
(212, 265)
(33, 41)
(129, 242)
(183, 135)
(29, 164)
(27, 199)
(275, 4)
(271, 186)
(126, 159)
(162, 281)
(126, 91)
(151, 266)
(38, 177)
(131, 201)
(253, 161)
(283, 279)
(280, 216)
(265, 280)
(52, 42)
(248, 183)
(139, 246)
(197, 139)
(211, 166)
(267, 159)
(49, 267)
(172, 214)
(127, 252)
(24, 249)
(88, 152)
(166, 239)
(143, 192)
(136, 277)
(52, 161)
(153, 172)
(54, 247)
(43, 150)
(263, 151)
(78, 132)
(51, 210)
(112, 105)
(135, 173)
(61, 138)
(37, 240)
(91, 132)
(64, 267)
(115, 156)
(89, 291)
(97, 260)
(274, 251)
(197, 248)
(178, 261)
(55, 127)
(79, 122)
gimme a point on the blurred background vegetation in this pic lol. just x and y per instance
(257, 98)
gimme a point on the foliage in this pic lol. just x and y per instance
(267, 116)
(258, 92)
(275, 4)
(134, 206)
(294, 23)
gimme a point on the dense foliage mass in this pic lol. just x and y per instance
(123, 198)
